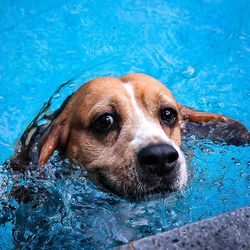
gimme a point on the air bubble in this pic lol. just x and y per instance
(189, 72)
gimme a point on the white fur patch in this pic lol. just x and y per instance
(146, 131)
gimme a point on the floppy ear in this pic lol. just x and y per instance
(215, 127)
(55, 137)
(193, 115)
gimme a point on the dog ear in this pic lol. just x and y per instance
(193, 115)
(55, 137)
(215, 127)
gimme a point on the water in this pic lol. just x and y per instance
(199, 49)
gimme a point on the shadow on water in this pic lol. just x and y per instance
(58, 206)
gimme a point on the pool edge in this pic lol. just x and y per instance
(226, 231)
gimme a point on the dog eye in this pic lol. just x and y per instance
(104, 123)
(168, 116)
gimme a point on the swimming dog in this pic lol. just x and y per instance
(126, 133)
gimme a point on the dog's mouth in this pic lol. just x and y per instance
(158, 185)
(138, 189)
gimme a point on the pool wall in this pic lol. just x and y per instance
(226, 231)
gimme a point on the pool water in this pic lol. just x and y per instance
(199, 49)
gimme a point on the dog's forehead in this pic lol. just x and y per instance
(144, 88)
(147, 90)
(146, 84)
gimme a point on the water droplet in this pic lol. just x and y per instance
(56, 95)
(237, 163)
(242, 173)
(207, 150)
(27, 234)
(72, 85)
(42, 122)
(189, 72)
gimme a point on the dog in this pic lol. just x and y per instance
(126, 133)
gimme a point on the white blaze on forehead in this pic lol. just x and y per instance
(146, 131)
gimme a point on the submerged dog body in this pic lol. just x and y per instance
(126, 132)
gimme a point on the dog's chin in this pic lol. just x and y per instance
(153, 192)
(141, 190)
(164, 186)
(153, 184)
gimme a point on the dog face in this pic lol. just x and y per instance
(126, 133)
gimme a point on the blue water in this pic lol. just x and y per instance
(199, 49)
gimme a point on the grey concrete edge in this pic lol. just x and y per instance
(226, 231)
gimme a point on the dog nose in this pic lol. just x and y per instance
(156, 159)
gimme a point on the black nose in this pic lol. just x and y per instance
(157, 158)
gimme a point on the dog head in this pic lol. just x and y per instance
(126, 133)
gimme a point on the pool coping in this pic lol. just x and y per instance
(225, 231)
